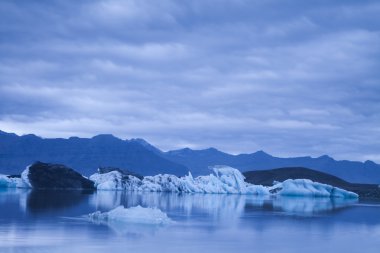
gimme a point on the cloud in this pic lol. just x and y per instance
(291, 78)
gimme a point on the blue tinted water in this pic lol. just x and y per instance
(52, 221)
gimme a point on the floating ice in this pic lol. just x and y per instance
(5, 181)
(114, 181)
(306, 187)
(15, 182)
(135, 214)
(25, 177)
(12, 182)
(108, 181)
(223, 180)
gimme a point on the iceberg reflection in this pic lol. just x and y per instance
(301, 205)
(220, 206)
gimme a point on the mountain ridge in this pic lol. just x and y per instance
(138, 155)
(352, 171)
(82, 154)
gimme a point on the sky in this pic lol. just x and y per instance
(292, 78)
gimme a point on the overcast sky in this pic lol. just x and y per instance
(292, 78)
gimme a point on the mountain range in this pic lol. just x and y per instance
(83, 154)
(87, 154)
(352, 171)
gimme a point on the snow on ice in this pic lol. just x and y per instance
(223, 180)
(137, 214)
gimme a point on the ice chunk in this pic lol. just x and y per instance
(224, 179)
(231, 177)
(161, 183)
(257, 189)
(135, 214)
(25, 177)
(115, 181)
(12, 182)
(108, 181)
(5, 182)
(306, 187)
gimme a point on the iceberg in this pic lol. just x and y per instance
(12, 182)
(25, 177)
(306, 187)
(223, 180)
(115, 181)
(5, 182)
(137, 214)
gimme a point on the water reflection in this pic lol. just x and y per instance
(128, 229)
(299, 205)
(53, 221)
(219, 206)
(220, 209)
(49, 200)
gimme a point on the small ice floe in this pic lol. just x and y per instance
(136, 215)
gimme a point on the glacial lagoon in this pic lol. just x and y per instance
(58, 221)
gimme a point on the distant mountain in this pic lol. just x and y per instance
(267, 177)
(87, 154)
(199, 160)
(84, 154)
(146, 145)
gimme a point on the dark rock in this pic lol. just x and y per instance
(365, 191)
(56, 176)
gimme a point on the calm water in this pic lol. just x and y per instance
(52, 221)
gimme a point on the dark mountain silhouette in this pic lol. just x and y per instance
(83, 154)
(87, 154)
(199, 160)
(267, 177)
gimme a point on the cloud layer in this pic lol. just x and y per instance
(289, 77)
